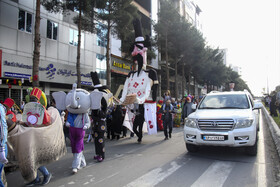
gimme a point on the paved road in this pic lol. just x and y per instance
(161, 163)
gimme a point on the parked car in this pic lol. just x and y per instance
(223, 119)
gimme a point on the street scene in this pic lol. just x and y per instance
(135, 93)
(156, 162)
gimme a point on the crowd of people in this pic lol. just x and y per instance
(170, 113)
(273, 102)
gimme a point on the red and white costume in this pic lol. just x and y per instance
(144, 84)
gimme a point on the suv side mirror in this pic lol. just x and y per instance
(194, 107)
(258, 105)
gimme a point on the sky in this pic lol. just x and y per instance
(250, 31)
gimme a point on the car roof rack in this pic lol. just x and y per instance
(215, 91)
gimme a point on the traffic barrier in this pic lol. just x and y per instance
(274, 129)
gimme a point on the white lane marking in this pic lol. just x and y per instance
(215, 175)
(154, 177)
(114, 174)
(261, 155)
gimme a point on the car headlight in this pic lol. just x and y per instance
(243, 123)
(190, 122)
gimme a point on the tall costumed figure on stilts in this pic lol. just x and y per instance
(140, 88)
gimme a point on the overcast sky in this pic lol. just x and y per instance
(250, 30)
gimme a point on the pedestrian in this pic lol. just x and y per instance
(273, 107)
(3, 143)
(22, 103)
(109, 121)
(167, 109)
(187, 108)
(117, 120)
(277, 103)
(159, 115)
(166, 96)
(177, 119)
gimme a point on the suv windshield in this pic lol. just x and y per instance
(234, 101)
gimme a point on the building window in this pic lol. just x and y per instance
(24, 21)
(101, 35)
(101, 66)
(52, 30)
(73, 38)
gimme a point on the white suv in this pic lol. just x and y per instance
(223, 119)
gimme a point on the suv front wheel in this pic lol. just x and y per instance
(191, 148)
(252, 150)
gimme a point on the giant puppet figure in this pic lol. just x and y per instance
(140, 88)
(36, 140)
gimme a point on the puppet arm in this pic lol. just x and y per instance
(124, 92)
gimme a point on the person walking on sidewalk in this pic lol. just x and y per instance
(167, 109)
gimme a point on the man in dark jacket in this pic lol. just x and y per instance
(187, 108)
(167, 110)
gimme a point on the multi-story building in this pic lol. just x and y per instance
(190, 10)
(58, 51)
(224, 53)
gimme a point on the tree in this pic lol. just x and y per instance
(168, 17)
(37, 44)
(85, 19)
(118, 16)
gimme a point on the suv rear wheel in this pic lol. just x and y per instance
(191, 148)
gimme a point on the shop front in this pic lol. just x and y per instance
(16, 76)
(119, 71)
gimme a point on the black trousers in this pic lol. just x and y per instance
(138, 122)
(167, 124)
(99, 129)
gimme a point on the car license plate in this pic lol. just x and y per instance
(213, 138)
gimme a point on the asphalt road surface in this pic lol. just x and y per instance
(166, 163)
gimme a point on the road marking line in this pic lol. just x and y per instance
(154, 177)
(106, 178)
(261, 155)
(215, 175)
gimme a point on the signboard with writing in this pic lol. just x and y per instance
(121, 65)
(21, 67)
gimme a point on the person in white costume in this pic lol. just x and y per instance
(140, 87)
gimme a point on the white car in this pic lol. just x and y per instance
(223, 119)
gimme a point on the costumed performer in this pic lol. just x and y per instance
(9, 103)
(98, 114)
(159, 115)
(38, 140)
(77, 102)
(142, 84)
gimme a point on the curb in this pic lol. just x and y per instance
(274, 130)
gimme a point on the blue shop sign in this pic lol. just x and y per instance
(17, 75)
(50, 71)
